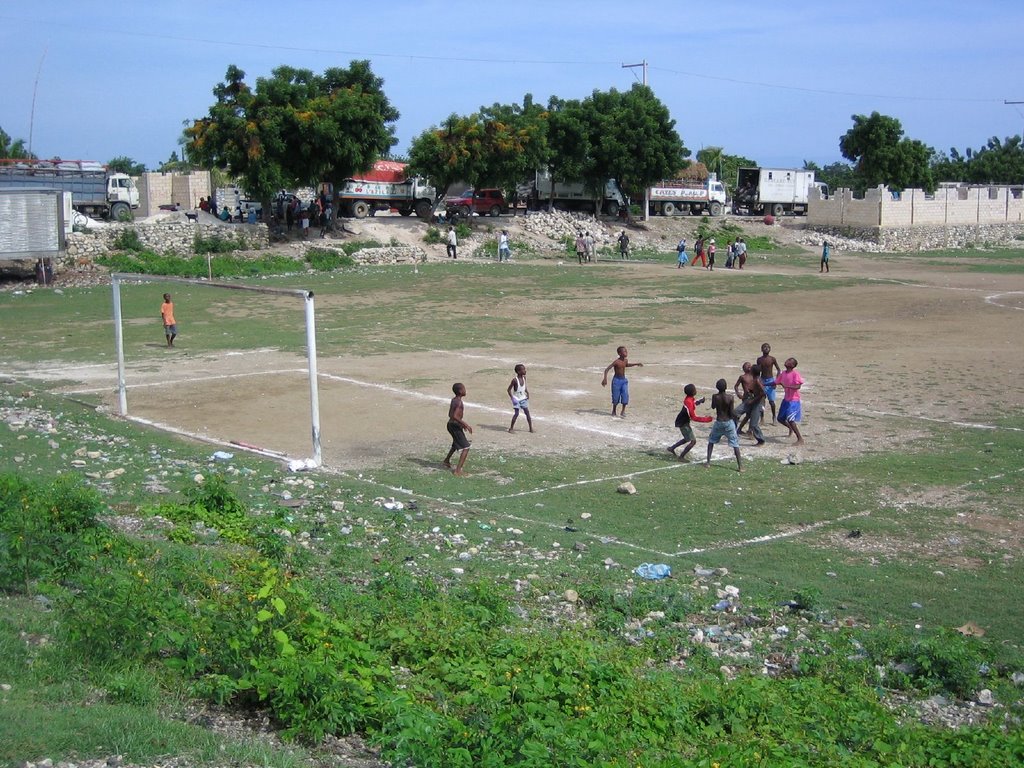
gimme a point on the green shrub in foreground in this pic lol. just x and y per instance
(44, 528)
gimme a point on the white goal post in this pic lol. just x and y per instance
(314, 396)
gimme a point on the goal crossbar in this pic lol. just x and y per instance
(307, 296)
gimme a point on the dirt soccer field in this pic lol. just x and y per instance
(886, 344)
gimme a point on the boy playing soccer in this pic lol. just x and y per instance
(725, 423)
(457, 428)
(686, 415)
(620, 384)
(167, 315)
(791, 411)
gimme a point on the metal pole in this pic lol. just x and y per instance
(314, 394)
(122, 390)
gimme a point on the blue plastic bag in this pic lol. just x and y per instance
(652, 571)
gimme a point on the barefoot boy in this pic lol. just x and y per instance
(687, 415)
(725, 423)
(791, 411)
(457, 428)
(620, 384)
(520, 397)
(167, 315)
(769, 369)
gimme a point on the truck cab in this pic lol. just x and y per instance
(121, 191)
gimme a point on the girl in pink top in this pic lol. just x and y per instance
(790, 411)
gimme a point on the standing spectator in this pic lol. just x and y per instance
(289, 214)
(588, 242)
(581, 247)
(825, 249)
(681, 250)
(325, 220)
(742, 249)
(167, 316)
(453, 243)
(623, 245)
(304, 221)
(711, 254)
(504, 251)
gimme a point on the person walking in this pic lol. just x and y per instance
(453, 243)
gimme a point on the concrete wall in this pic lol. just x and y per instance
(948, 206)
(185, 189)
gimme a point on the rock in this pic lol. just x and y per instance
(626, 488)
(571, 596)
(985, 698)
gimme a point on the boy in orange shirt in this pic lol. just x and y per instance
(167, 315)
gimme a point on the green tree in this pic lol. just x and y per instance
(123, 164)
(724, 164)
(632, 138)
(998, 162)
(837, 175)
(295, 127)
(882, 155)
(14, 148)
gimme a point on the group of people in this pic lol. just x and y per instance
(319, 212)
(743, 407)
(755, 388)
(704, 252)
(585, 247)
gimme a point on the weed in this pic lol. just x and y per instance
(216, 244)
(327, 259)
(433, 236)
(128, 240)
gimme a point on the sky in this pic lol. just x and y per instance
(775, 82)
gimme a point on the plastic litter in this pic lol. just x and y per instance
(223, 455)
(300, 465)
(653, 571)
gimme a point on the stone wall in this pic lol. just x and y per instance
(175, 235)
(927, 238)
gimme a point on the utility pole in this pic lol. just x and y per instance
(643, 66)
(1014, 102)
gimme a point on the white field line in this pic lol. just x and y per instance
(771, 536)
(992, 299)
(192, 380)
(918, 417)
(207, 439)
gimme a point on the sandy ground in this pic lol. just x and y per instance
(928, 344)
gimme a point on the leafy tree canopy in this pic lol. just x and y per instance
(837, 175)
(295, 127)
(123, 164)
(13, 148)
(998, 162)
(882, 155)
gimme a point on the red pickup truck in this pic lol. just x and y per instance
(483, 202)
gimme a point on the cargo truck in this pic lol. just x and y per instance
(774, 191)
(384, 187)
(678, 196)
(95, 191)
(540, 192)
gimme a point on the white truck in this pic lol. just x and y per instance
(678, 196)
(384, 187)
(94, 190)
(540, 191)
(774, 191)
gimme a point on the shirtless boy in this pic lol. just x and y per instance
(520, 397)
(457, 428)
(769, 370)
(750, 391)
(620, 384)
(725, 423)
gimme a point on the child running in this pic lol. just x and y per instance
(725, 423)
(520, 397)
(686, 415)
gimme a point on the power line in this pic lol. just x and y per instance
(824, 91)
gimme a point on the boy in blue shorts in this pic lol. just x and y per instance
(725, 423)
(620, 384)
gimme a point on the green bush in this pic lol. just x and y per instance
(128, 240)
(327, 259)
(151, 263)
(433, 236)
(216, 244)
(44, 528)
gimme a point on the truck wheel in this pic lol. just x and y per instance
(495, 211)
(405, 210)
(716, 209)
(669, 209)
(464, 211)
(612, 209)
(423, 209)
(120, 212)
(360, 209)
(777, 210)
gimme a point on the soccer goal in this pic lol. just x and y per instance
(305, 295)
